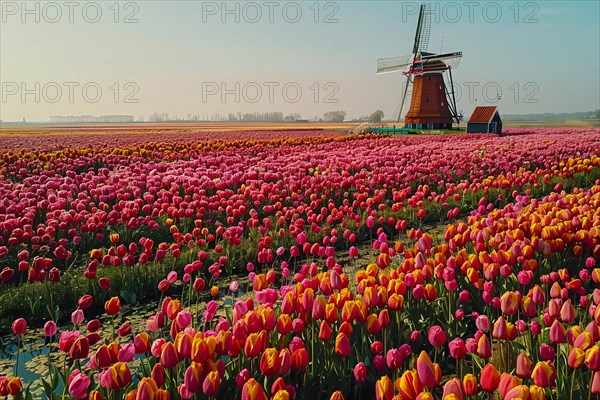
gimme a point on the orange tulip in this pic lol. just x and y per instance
(331, 315)
(337, 395)
(427, 372)
(409, 385)
(116, 376)
(428, 396)
(576, 358)
(146, 389)
(281, 394)
(203, 348)
(14, 386)
(112, 306)
(470, 384)
(536, 393)
(592, 358)
(509, 303)
(270, 362)
(384, 389)
(253, 391)
(520, 392)
(260, 282)
(254, 344)
(373, 325)
(95, 395)
(183, 345)
(543, 374)
(141, 343)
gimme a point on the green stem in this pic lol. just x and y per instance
(17, 361)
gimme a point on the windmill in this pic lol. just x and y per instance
(433, 104)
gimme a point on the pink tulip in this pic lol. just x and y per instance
(78, 384)
(50, 328)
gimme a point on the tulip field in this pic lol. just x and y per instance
(300, 264)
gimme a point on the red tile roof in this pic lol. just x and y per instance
(483, 114)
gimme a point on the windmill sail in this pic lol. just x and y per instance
(449, 60)
(423, 29)
(393, 64)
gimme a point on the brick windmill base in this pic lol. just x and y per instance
(429, 106)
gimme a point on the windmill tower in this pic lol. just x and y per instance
(432, 105)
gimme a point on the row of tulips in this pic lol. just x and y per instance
(224, 199)
(505, 305)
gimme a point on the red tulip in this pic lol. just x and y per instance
(484, 348)
(557, 332)
(454, 387)
(342, 345)
(211, 384)
(78, 384)
(595, 388)
(6, 274)
(299, 360)
(458, 349)
(168, 355)
(80, 348)
(507, 382)
(436, 336)
(524, 366)
(19, 326)
(490, 378)
(360, 372)
(394, 359)
(193, 377)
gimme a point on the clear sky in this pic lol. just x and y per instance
(307, 57)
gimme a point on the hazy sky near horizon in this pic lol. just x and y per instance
(307, 57)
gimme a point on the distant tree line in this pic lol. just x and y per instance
(552, 116)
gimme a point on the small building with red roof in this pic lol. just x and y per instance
(485, 119)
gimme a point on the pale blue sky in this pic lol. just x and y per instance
(178, 49)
